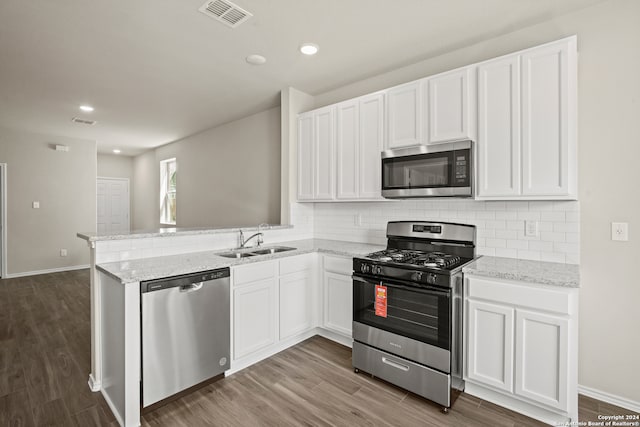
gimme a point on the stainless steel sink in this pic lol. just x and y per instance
(236, 254)
(273, 250)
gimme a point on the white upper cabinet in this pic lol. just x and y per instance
(359, 144)
(527, 108)
(306, 157)
(549, 119)
(339, 151)
(371, 145)
(404, 115)
(451, 106)
(498, 145)
(324, 154)
(348, 141)
(316, 155)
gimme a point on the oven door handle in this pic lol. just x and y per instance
(394, 284)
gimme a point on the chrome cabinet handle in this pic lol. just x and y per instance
(192, 287)
(395, 364)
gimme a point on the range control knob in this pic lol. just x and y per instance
(418, 276)
(365, 268)
(432, 278)
(378, 269)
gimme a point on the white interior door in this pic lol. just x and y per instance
(113, 205)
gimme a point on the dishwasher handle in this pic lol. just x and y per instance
(186, 283)
(193, 287)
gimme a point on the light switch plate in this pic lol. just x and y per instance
(620, 231)
(531, 228)
(63, 252)
(36, 205)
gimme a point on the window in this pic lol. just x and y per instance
(168, 170)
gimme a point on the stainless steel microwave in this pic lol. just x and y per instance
(441, 170)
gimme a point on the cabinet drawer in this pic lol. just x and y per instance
(340, 265)
(296, 263)
(515, 294)
(253, 272)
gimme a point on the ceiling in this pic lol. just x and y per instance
(157, 71)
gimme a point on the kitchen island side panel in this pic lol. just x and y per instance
(120, 349)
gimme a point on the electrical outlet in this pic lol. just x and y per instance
(531, 228)
(36, 205)
(620, 231)
(63, 252)
(357, 220)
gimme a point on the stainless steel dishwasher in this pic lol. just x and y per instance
(185, 332)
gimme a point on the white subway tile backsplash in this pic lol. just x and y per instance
(553, 216)
(509, 216)
(496, 243)
(507, 253)
(500, 224)
(552, 236)
(517, 244)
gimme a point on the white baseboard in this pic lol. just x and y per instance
(609, 398)
(334, 336)
(93, 384)
(50, 270)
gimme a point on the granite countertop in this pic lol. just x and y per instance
(137, 270)
(172, 231)
(537, 272)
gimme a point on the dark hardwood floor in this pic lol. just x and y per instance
(45, 362)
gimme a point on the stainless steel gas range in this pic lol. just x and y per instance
(407, 308)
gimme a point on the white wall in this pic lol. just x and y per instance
(609, 146)
(115, 166)
(227, 176)
(65, 185)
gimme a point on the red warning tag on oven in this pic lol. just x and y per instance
(381, 300)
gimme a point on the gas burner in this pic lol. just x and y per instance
(438, 260)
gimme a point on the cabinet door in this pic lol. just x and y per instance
(450, 101)
(338, 307)
(324, 154)
(490, 344)
(548, 118)
(254, 317)
(295, 303)
(371, 145)
(347, 142)
(541, 358)
(404, 116)
(498, 149)
(305, 157)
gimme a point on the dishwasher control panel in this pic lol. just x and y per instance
(183, 280)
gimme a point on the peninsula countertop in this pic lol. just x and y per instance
(137, 270)
(173, 231)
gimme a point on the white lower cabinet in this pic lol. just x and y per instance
(521, 347)
(254, 317)
(542, 358)
(295, 303)
(272, 303)
(490, 338)
(337, 287)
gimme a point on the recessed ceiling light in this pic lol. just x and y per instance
(86, 108)
(116, 151)
(309, 48)
(256, 59)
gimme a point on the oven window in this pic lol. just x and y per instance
(411, 312)
(420, 171)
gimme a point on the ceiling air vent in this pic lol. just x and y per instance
(83, 121)
(225, 12)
